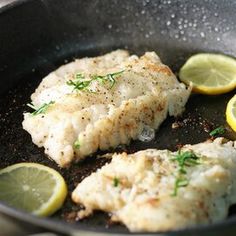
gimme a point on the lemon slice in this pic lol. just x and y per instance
(209, 73)
(32, 187)
(231, 113)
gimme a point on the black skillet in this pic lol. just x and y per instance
(38, 36)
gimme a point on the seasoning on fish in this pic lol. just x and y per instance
(101, 102)
(145, 196)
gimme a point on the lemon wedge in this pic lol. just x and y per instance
(32, 187)
(209, 73)
(231, 113)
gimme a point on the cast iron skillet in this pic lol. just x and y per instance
(38, 36)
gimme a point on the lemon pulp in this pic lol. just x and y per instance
(209, 73)
(32, 187)
(231, 113)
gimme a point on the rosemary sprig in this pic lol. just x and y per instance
(116, 182)
(184, 159)
(80, 83)
(41, 109)
(217, 131)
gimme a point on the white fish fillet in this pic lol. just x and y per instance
(143, 95)
(142, 199)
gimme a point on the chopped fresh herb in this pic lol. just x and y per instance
(41, 109)
(77, 144)
(116, 182)
(178, 184)
(80, 83)
(217, 131)
(184, 159)
(79, 76)
(109, 77)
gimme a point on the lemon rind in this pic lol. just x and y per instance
(57, 198)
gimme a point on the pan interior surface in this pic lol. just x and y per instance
(59, 31)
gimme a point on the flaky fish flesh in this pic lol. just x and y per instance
(101, 102)
(159, 190)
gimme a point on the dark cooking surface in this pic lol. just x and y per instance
(38, 36)
(203, 114)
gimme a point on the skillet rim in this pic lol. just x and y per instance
(62, 226)
(12, 4)
(72, 228)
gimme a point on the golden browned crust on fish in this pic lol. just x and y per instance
(103, 116)
(137, 189)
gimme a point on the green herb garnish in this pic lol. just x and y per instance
(80, 83)
(178, 184)
(217, 131)
(184, 159)
(116, 182)
(41, 109)
(77, 144)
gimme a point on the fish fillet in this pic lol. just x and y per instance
(138, 188)
(103, 116)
